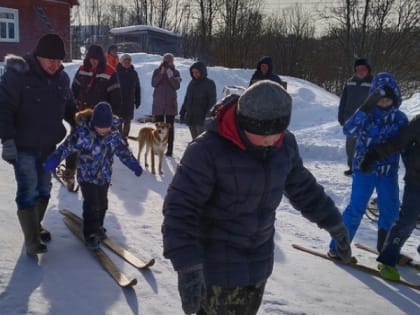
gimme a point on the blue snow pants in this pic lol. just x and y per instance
(403, 227)
(361, 191)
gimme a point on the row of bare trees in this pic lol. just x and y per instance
(236, 33)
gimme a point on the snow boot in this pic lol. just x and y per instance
(92, 242)
(101, 233)
(41, 207)
(333, 254)
(28, 219)
(388, 272)
(382, 234)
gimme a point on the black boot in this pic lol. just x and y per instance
(382, 234)
(41, 207)
(29, 222)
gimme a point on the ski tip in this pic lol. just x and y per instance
(129, 284)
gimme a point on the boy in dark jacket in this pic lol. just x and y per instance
(376, 121)
(199, 98)
(407, 142)
(130, 92)
(219, 211)
(96, 138)
(265, 71)
(35, 97)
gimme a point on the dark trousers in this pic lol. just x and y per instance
(233, 301)
(170, 120)
(196, 130)
(402, 228)
(350, 147)
(125, 127)
(95, 204)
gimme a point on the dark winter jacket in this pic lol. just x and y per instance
(33, 105)
(96, 153)
(270, 75)
(199, 98)
(220, 208)
(93, 86)
(407, 142)
(164, 94)
(130, 90)
(377, 127)
(354, 93)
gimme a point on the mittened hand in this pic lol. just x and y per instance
(9, 152)
(371, 101)
(138, 171)
(51, 164)
(192, 288)
(367, 161)
(341, 237)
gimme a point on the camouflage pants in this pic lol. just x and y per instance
(232, 301)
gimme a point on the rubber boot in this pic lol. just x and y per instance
(41, 207)
(382, 234)
(28, 219)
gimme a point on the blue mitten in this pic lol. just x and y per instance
(138, 171)
(192, 288)
(51, 164)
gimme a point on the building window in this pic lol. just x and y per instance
(9, 25)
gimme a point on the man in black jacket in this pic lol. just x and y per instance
(355, 91)
(219, 212)
(35, 96)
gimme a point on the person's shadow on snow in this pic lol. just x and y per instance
(26, 278)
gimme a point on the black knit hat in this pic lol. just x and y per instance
(50, 46)
(264, 108)
(362, 62)
(95, 52)
(102, 115)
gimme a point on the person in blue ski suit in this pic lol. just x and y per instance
(96, 138)
(376, 121)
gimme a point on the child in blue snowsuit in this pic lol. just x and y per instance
(406, 142)
(96, 138)
(377, 120)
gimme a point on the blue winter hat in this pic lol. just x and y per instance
(102, 115)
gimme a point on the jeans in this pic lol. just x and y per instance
(33, 183)
(403, 227)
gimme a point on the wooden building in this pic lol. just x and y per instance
(23, 22)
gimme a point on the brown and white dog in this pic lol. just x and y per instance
(156, 141)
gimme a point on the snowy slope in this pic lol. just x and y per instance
(67, 279)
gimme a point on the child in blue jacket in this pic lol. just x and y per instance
(96, 138)
(377, 120)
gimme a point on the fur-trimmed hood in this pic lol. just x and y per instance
(83, 118)
(14, 62)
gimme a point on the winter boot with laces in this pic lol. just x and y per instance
(388, 272)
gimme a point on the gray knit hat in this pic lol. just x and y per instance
(264, 108)
(125, 57)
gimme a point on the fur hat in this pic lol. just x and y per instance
(264, 108)
(95, 52)
(102, 115)
(50, 46)
(362, 62)
(125, 57)
(168, 57)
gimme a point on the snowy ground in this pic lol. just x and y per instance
(68, 280)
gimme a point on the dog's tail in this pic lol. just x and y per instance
(133, 138)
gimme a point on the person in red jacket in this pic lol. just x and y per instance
(112, 56)
(94, 82)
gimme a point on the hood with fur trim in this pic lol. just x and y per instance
(16, 63)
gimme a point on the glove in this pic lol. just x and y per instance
(170, 73)
(340, 235)
(51, 164)
(192, 288)
(371, 101)
(366, 163)
(9, 153)
(138, 171)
